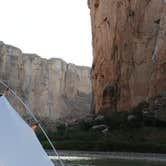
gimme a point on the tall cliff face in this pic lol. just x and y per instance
(52, 88)
(129, 49)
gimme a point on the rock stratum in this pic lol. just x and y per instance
(52, 88)
(129, 49)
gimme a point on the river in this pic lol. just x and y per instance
(79, 158)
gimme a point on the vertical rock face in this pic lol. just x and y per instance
(52, 88)
(129, 49)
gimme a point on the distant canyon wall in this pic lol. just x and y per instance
(52, 88)
(129, 52)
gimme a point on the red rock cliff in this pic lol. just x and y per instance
(129, 49)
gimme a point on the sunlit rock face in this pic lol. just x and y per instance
(52, 88)
(129, 49)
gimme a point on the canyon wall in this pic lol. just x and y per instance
(129, 52)
(52, 88)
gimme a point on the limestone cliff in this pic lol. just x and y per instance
(52, 88)
(129, 49)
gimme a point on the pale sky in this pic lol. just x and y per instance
(49, 28)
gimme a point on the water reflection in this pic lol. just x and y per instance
(72, 158)
(83, 158)
(93, 161)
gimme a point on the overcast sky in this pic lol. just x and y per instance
(49, 28)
